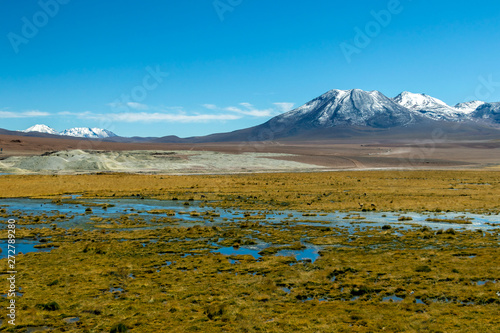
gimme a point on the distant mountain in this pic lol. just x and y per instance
(78, 132)
(86, 132)
(337, 113)
(429, 107)
(352, 113)
(348, 108)
(489, 112)
(344, 114)
(41, 129)
(469, 107)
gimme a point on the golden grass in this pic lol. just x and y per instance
(105, 281)
(382, 190)
(111, 276)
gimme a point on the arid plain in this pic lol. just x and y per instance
(346, 154)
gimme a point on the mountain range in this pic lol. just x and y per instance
(373, 109)
(77, 132)
(358, 113)
(344, 113)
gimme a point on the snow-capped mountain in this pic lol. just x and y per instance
(347, 112)
(469, 107)
(429, 106)
(341, 113)
(86, 132)
(79, 132)
(41, 129)
(436, 109)
(414, 101)
(489, 112)
(349, 108)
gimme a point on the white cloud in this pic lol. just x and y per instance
(284, 107)
(248, 109)
(210, 106)
(247, 105)
(183, 118)
(81, 115)
(137, 106)
(145, 117)
(131, 105)
(253, 113)
(178, 115)
(24, 114)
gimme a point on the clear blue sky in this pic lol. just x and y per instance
(233, 66)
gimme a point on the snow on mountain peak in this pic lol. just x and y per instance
(414, 101)
(86, 132)
(102, 133)
(79, 132)
(429, 106)
(356, 107)
(41, 129)
(350, 108)
(469, 107)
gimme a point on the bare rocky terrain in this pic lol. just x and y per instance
(147, 161)
(23, 154)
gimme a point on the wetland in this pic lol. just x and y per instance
(314, 252)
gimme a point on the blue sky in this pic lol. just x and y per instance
(187, 68)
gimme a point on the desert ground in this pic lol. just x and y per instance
(28, 154)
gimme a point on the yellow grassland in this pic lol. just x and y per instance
(328, 191)
(446, 281)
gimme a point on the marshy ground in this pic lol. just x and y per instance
(318, 252)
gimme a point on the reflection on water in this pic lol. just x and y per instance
(287, 290)
(179, 214)
(21, 246)
(309, 254)
(196, 213)
(392, 298)
(71, 320)
(231, 251)
(482, 283)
